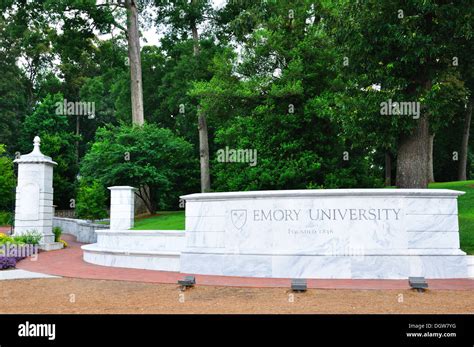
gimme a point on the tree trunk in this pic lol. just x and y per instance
(413, 157)
(135, 63)
(142, 206)
(195, 33)
(146, 196)
(462, 176)
(204, 154)
(202, 124)
(203, 133)
(77, 140)
(195, 40)
(388, 169)
(430, 159)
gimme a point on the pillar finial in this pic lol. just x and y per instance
(36, 144)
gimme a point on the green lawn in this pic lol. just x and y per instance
(466, 211)
(166, 220)
(173, 220)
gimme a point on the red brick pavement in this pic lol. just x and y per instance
(5, 229)
(69, 263)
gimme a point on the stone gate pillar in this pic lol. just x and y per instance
(34, 196)
(122, 211)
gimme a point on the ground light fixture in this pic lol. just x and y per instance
(299, 285)
(187, 282)
(418, 283)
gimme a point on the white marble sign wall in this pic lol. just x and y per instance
(344, 233)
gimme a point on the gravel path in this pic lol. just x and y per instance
(67, 295)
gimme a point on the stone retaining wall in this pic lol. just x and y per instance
(83, 230)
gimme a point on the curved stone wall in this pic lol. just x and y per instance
(139, 249)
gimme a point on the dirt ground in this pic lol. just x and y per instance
(67, 295)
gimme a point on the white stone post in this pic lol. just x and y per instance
(34, 196)
(122, 209)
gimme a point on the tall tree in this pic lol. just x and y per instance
(106, 17)
(463, 59)
(431, 178)
(57, 141)
(183, 17)
(406, 47)
(266, 97)
(462, 171)
(133, 38)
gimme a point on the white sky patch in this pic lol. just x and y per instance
(376, 86)
(150, 35)
(218, 4)
(153, 35)
(277, 73)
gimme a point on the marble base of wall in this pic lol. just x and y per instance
(326, 266)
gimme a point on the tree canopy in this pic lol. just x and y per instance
(324, 94)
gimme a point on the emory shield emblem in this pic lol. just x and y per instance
(239, 218)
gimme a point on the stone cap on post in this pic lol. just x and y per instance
(35, 156)
(123, 188)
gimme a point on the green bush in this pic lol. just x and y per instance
(5, 239)
(91, 200)
(148, 157)
(5, 218)
(57, 231)
(32, 237)
(7, 180)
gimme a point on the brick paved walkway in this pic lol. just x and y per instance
(4, 229)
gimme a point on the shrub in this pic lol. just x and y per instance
(91, 200)
(32, 237)
(5, 218)
(57, 231)
(7, 179)
(5, 239)
(161, 164)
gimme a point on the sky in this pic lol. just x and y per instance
(152, 38)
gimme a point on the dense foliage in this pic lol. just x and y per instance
(297, 84)
(154, 160)
(57, 142)
(7, 179)
(91, 200)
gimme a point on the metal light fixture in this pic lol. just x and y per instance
(187, 282)
(418, 283)
(299, 285)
